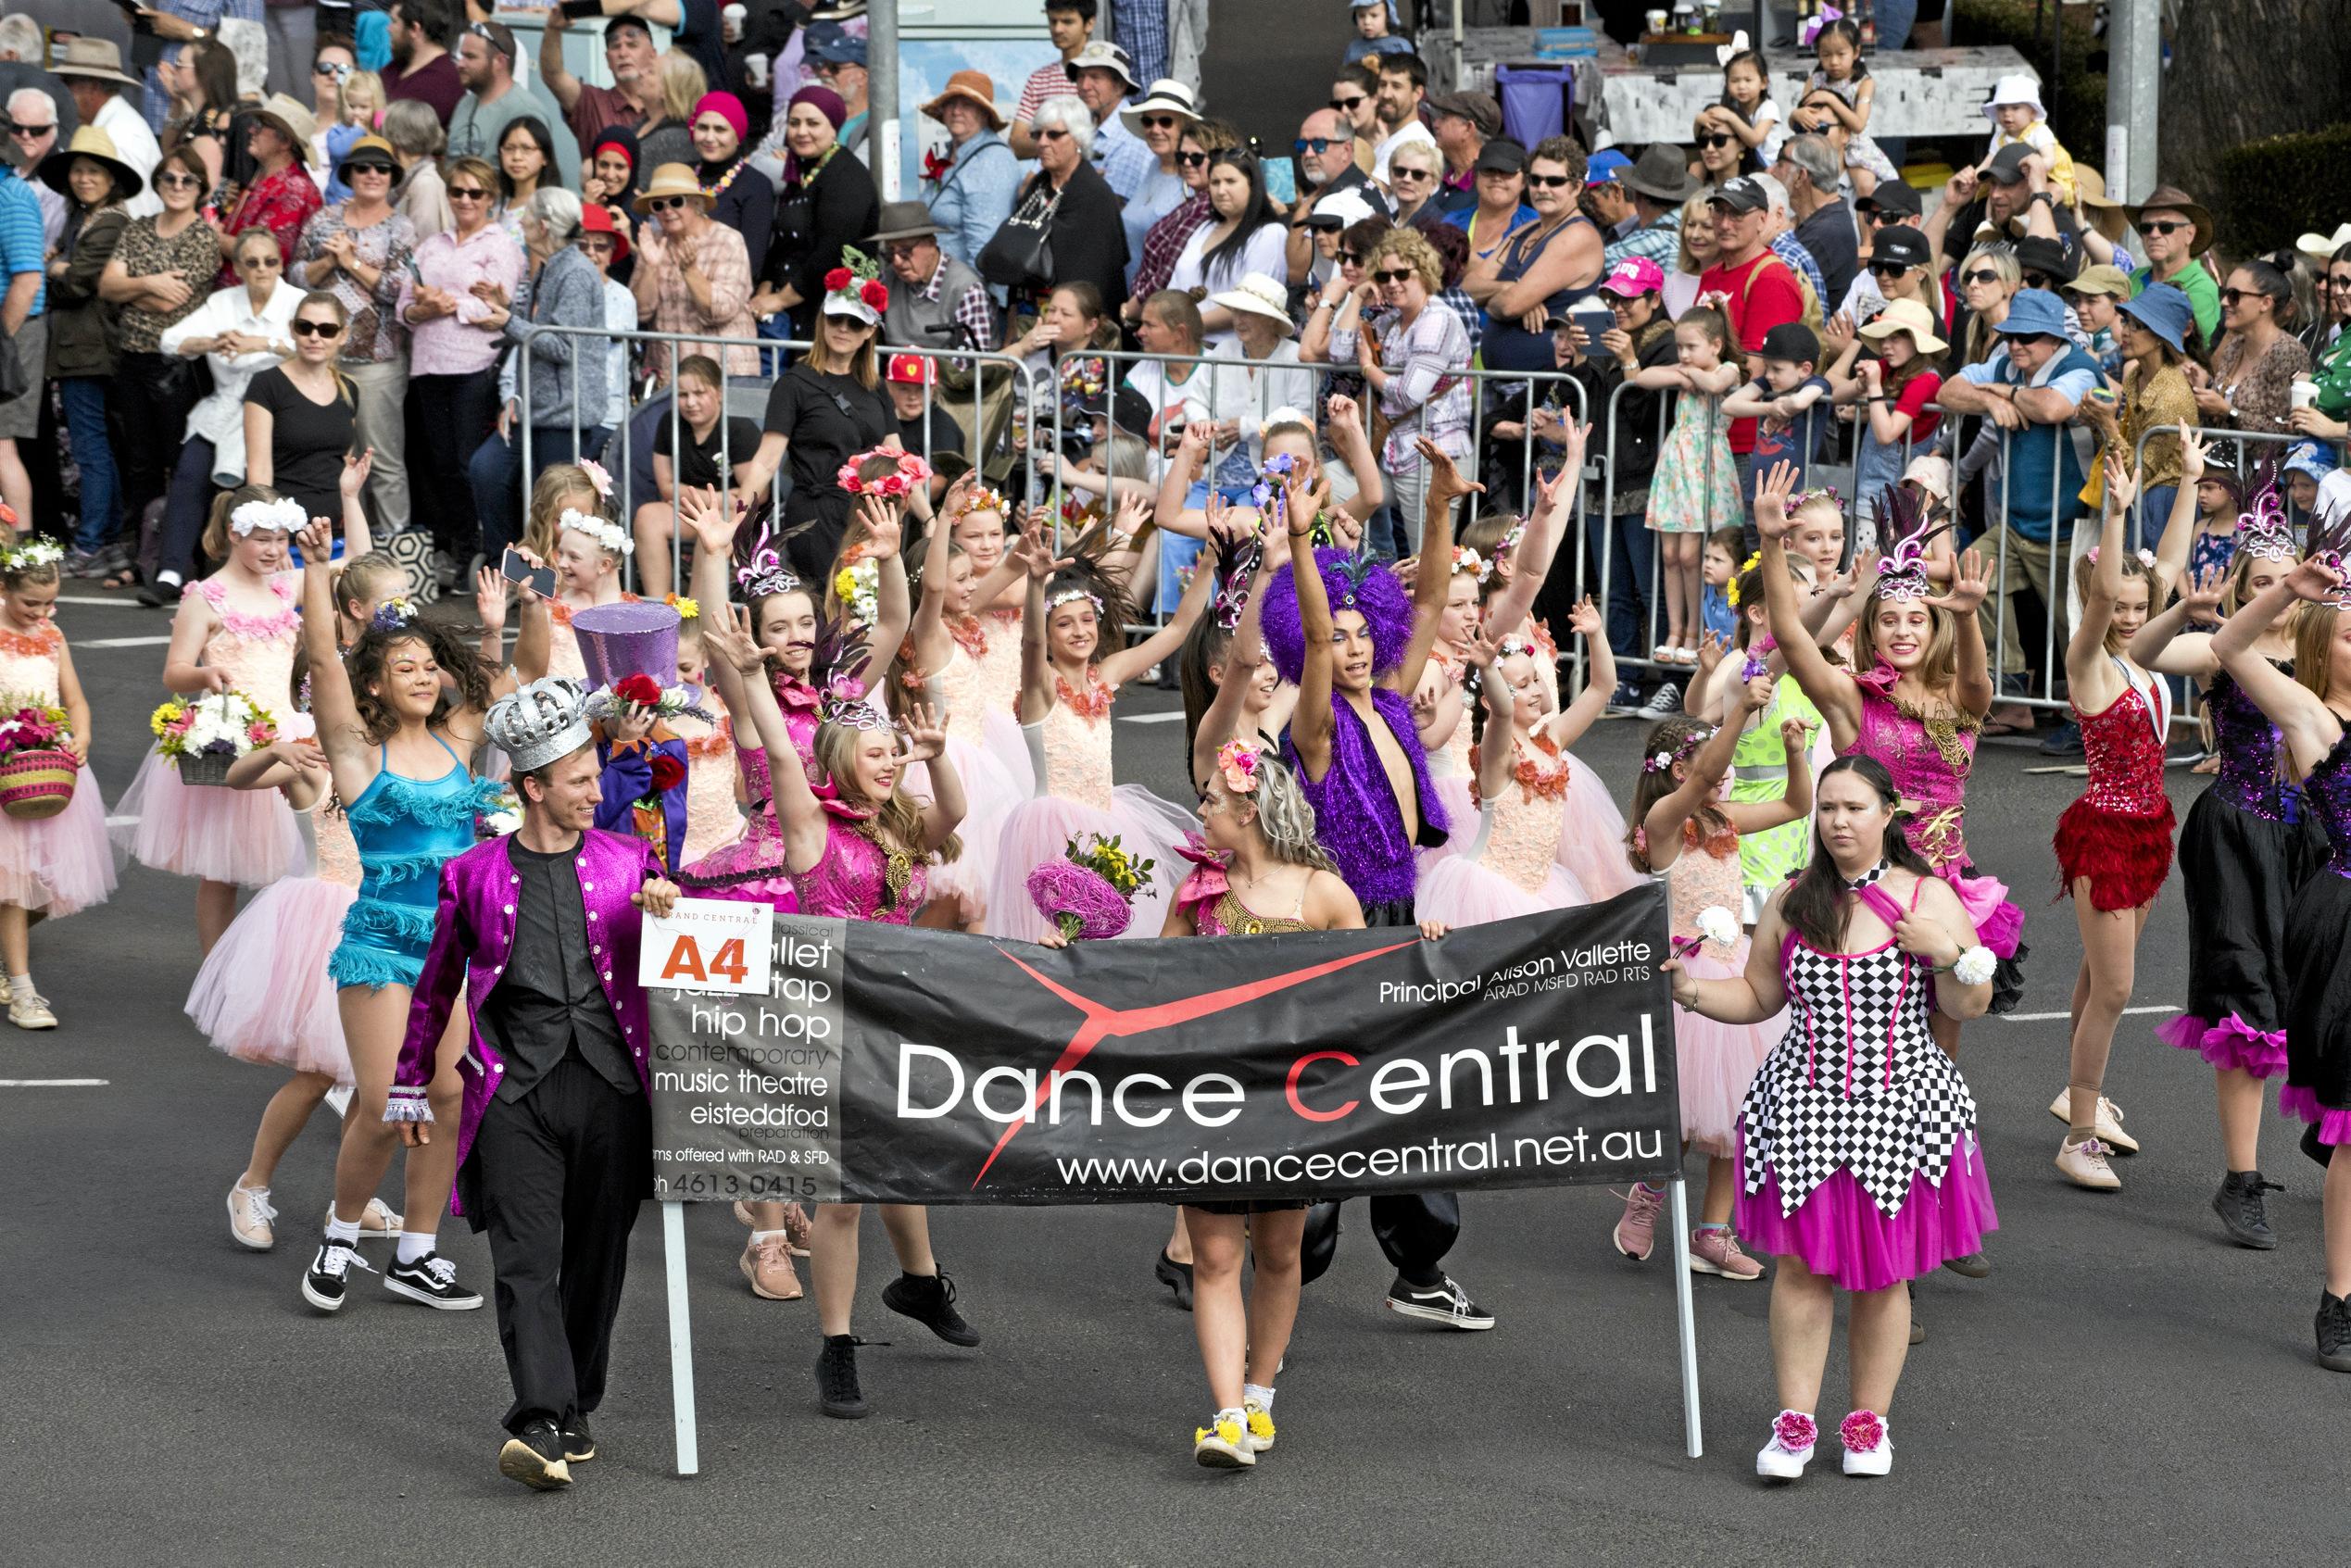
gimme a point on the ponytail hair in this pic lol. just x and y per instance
(216, 526)
(1814, 903)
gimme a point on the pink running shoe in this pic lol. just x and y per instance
(1637, 1231)
(1714, 1250)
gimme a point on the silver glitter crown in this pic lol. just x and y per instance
(542, 721)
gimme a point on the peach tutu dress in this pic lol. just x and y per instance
(1510, 866)
(62, 864)
(1715, 1062)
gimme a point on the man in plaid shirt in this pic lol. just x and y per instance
(1071, 25)
(1654, 189)
(1141, 26)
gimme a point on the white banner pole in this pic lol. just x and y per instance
(1687, 1315)
(689, 1457)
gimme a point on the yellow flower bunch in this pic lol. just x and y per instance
(1109, 860)
(687, 610)
(1730, 591)
(169, 714)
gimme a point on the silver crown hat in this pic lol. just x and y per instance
(541, 722)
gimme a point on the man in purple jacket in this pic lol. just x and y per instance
(554, 1142)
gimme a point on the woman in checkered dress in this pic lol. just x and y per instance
(1859, 1165)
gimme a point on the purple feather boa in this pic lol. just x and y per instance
(1369, 587)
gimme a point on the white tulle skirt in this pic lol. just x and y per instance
(62, 864)
(246, 836)
(1591, 836)
(1452, 792)
(1039, 830)
(263, 994)
(1001, 733)
(1460, 891)
(989, 794)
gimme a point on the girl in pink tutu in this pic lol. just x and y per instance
(976, 522)
(53, 865)
(1074, 660)
(236, 629)
(1687, 830)
(1858, 1159)
(569, 530)
(1511, 865)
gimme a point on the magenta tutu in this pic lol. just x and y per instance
(62, 864)
(1460, 891)
(1036, 830)
(246, 836)
(1840, 1234)
(750, 869)
(2335, 1126)
(1715, 1063)
(263, 994)
(2231, 1043)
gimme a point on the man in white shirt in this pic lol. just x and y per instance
(1403, 84)
(92, 72)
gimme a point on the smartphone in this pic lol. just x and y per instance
(1594, 321)
(582, 10)
(517, 568)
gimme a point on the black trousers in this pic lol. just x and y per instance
(450, 417)
(556, 1178)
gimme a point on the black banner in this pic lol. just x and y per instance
(912, 1066)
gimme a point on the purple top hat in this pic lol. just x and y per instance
(621, 640)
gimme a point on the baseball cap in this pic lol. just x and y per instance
(1744, 193)
(2007, 165)
(1604, 166)
(1893, 196)
(913, 370)
(2049, 257)
(1633, 277)
(1501, 156)
(1340, 208)
(1791, 341)
(834, 45)
(1902, 244)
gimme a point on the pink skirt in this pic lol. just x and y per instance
(1715, 1062)
(1001, 733)
(2231, 1043)
(1839, 1233)
(1039, 830)
(989, 794)
(62, 864)
(1591, 840)
(246, 836)
(1460, 891)
(1453, 794)
(263, 994)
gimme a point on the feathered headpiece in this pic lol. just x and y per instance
(2331, 530)
(2262, 527)
(1363, 583)
(765, 574)
(836, 668)
(1234, 556)
(1904, 575)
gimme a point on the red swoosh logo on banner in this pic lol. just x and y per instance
(1101, 1022)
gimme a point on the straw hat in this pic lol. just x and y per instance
(975, 87)
(290, 119)
(93, 57)
(96, 146)
(2320, 248)
(1258, 296)
(2100, 210)
(1906, 316)
(670, 179)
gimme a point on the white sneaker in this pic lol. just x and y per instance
(2110, 1131)
(1258, 1424)
(1793, 1436)
(1868, 1446)
(2084, 1164)
(250, 1215)
(339, 1098)
(28, 1009)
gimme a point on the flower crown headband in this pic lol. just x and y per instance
(978, 498)
(284, 514)
(23, 555)
(1070, 595)
(1804, 499)
(394, 614)
(609, 536)
(1663, 761)
(910, 474)
(1467, 562)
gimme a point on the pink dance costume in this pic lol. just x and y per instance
(712, 819)
(62, 864)
(857, 878)
(2250, 844)
(1453, 771)
(1079, 802)
(990, 788)
(246, 836)
(1511, 867)
(751, 870)
(2118, 833)
(1931, 759)
(1857, 1143)
(1716, 1064)
(263, 994)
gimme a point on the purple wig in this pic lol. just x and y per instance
(1363, 583)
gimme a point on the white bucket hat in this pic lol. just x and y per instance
(2017, 89)
(1259, 295)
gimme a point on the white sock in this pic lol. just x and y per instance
(413, 1245)
(1239, 1418)
(757, 1236)
(22, 985)
(167, 577)
(342, 1230)
(1260, 1394)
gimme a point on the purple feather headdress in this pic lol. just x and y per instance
(765, 573)
(836, 668)
(1904, 575)
(1363, 583)
(1235, 557)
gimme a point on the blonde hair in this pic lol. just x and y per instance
(1980, 333)
(1938, 670)
(559, 484)
(834, 749)
(1693, 212)
(368, 84)
(2314, 648)
(1410, 247)
(216, 526)
(683, 85)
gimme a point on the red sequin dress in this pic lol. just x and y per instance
(2118, 833)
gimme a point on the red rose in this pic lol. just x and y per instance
(668, 773)
(837, 280)
(642, 690)
(875, 293)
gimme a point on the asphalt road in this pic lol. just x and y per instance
(2126, 1386)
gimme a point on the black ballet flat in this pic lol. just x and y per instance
(1176, 1276)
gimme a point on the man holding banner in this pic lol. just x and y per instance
(555, 1142)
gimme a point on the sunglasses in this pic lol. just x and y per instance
(2039, 281)
(2339, 282)
(353, 171)
(1984, 275)
(31, 133)
(263, 263)
(1192, 161)
(173, 181)
(315, 329)
(1890, 268)
(1160, 122)
(1394, 173)
(2161, 228)
(468, 193)
(1316, 145)
(1350, 259)
(2234, 297)
(1051, 134)
(1395, 277)
(898, 250)
(1549, 181)
(1349, 105)
(1719, 139)
(659, 204)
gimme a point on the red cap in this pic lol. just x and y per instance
(594, 219)
(913, 370)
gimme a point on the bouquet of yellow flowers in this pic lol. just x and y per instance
(203, 736)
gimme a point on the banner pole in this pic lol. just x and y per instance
(689, 1457)
(1683, 1310)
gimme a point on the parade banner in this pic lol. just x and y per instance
(881, 1064)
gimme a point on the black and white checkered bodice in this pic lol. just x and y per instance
(1857, 1081)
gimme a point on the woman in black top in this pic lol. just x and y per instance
(827, 201)
(740, 196)
(1087, 240)
(821, 412)
(298, 414)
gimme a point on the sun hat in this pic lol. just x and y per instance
(1906, 316)
(1167, 97)
(1101, 55)
(2162, 308)
(94, 57)
(1932, 474)
(595, 219)
(1257, 295)
(975, 87)
(2037, 313)
(291, 120)
(2014, 88)
(670, 179)
(2320, 248)
(1660, 174)
(2171, 198)
(96, 146)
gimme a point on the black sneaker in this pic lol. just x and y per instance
(2334, 1332)
(2063, 741)
(837, 1391)
(535, 1456)
(579, 1443)
(930, 1300)
(327, 1284)
(1626, 698)
(432, 1279)
(1176, 1276)
(1443, 1302)
(1664, 703)
(155, 595)
(2241, 1213)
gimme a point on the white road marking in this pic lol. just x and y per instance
(52, 1083)
(122, 821)
(1173, 715)
(107, 604)
(124, 642)
(2045, 1017)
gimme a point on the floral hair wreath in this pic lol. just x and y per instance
(284, 514)
(911, 473)
(1804, 499)
(1467, 562)
(1069, 595)
(394, 614)
(23, 555)
(608, 536)
(2145, 558)
(978, 497)
(1237, 764)
(1663, 761)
